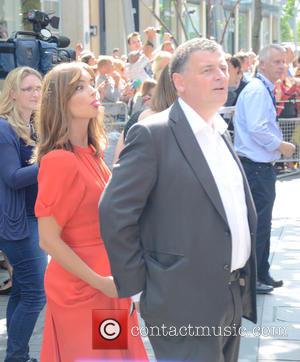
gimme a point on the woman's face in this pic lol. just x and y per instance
(27, 98)
(84, 102)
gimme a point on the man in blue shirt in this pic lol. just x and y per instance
(259, 143)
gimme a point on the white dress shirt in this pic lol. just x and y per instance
(228, 178)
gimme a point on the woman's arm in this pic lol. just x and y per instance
(11, 171)
(51, 242)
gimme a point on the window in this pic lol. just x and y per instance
(194, 15)
(243, 21)
(168, 14)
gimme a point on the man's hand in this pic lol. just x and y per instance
(116, 77)
(167, 37)
(287, 149)
(102, 88)
(150, 33)
(106, 285)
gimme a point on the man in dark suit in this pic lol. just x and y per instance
(178, 219)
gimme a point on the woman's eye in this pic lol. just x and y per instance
(79, 87)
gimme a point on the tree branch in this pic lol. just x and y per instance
(179, 17)
(191, 20)
(161, 22)
(228, 19)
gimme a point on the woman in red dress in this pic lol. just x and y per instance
(71, 179)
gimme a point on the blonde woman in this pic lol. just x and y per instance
(18, 225)
(71, 179)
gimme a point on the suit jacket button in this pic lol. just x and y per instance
(226, 267)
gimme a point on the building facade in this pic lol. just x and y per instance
(101, 25)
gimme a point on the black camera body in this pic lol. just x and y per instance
(38, 49)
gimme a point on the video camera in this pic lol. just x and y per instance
(38, 49)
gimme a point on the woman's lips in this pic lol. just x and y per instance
(96, 103)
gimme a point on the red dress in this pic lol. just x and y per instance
(70, 185)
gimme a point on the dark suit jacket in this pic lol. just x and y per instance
(165, 228)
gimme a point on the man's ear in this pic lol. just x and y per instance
(178, 81)
(262, 66)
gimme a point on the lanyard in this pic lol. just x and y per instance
(272, 95)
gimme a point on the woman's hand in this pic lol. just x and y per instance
(107, 286)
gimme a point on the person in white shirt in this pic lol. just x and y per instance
(178, 219)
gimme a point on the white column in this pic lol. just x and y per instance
(236, 29)
(249, 29)
(271, 29)
(86, 24)
(80, 11)
(203, 18)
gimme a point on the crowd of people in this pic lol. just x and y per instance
(184, 220)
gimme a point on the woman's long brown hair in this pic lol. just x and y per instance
(53, 118)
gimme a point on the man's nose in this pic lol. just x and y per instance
(221, 74)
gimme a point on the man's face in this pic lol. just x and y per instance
(273, 66)
(109, 67)
(135, 43)
(204, 82)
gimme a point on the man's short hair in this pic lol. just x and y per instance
(86, 55)
(265, 52)
(132, 35)
(242, 56)
(182, 54)
(103, 60)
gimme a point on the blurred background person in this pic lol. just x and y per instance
(164, 95)
(235, 76)
(108, 80)
(161, 60)
(116, 53)
(88, 57)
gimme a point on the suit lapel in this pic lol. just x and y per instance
(194, 156)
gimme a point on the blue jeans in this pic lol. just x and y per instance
(262, 178)
(27, 297)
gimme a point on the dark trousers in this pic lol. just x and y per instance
(215, 344)
(262, 179)
(27, 297)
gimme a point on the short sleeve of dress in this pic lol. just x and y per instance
(60, 186)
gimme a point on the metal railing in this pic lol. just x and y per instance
(116, 115)
(115, 112)
(291, 133)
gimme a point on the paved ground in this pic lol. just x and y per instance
(279, 313)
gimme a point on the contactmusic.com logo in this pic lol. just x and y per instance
(110, 328)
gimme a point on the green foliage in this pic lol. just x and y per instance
(288, 8)
(286, 30)
(285, 27)
(298, 28)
